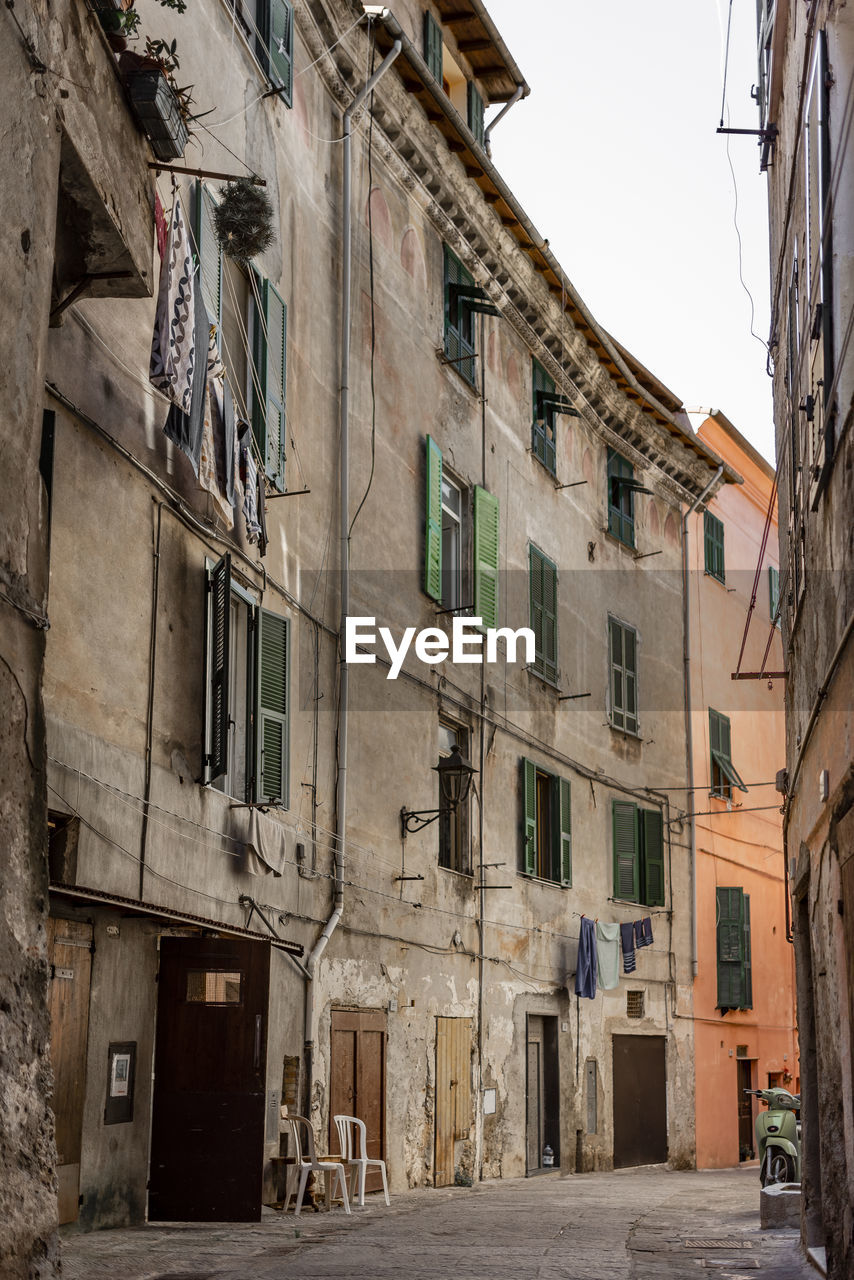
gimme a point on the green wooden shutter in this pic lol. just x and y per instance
(535, 587)
(475, 112)
(626, 860)
(271, 716)
(276, 321)
(543, 604)
(773, 593)
(565, 831)
(730, 939)
(459, 331)
(433, 522)
(280, 41)
(542, 430)
(529, 850)
(621, 501)
(653, 857)
(747, 985)
(485, 557)
(713, 531)
(210, 254)
(433, 45)
(219, 620)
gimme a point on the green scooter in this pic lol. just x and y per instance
(778, 1136)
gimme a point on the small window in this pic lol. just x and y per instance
(269, 27)
(774, 594)
(621, 498)
(623, 647)
(638, 840)
(452, 543)
(433, 45)
(213, 986)
(724, 773)
(543, 427)
(445, 546)
(459, 322)
(454, 852)
(543, 614)
(735, 984)
(547, 839)
(475, 113)
(713, 530)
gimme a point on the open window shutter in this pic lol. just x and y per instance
(626, 870)
(280, 41)
(475, 112)
(730, 948)
(271, 715)
(276, 322)
(529, 852)
(542, 437)
(433, 45)
(614, 516)
(550, 619)
(724, 731)
(433, 531)
(258, 375)
(747, 982)
(535, 579)
(219, 618)
(565, 831)
(485, 557)
(210, 255)
(459, 344)
(653, 850)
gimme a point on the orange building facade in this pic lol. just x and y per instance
(744, 988)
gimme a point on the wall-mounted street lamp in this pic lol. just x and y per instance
(455, 775)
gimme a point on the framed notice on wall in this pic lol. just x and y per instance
(121, 1070)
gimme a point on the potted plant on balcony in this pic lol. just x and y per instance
(119, 23)
(160, 106)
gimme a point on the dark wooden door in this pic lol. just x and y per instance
(207, 1131)
(358, 1079)
(640, 1101)
(453, 1094)
(744, 1075)
(70, 958)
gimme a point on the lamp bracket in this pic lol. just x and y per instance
(412, 820)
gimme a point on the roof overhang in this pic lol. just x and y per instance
(478, 38)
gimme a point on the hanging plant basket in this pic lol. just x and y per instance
(243, 220)
(157, 109)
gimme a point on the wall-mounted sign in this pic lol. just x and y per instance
(121, 1069)
(489, 1102)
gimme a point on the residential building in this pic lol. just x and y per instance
(246, 842)
(807, 61)
(745, 1035)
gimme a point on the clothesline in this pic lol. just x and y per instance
(599, 946)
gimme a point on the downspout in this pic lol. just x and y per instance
(511, 102)
(689, 733)
(344, 519)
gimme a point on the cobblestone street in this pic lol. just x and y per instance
(631, 1225)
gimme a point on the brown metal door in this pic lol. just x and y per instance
(358, 1079)
(70, 958)
(640, 1101)
(453, 1093)
(207, 1130)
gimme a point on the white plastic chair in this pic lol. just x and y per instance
(305, 1157)
(352, 1136)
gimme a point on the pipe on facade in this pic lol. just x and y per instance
(511, 102)
(344, 524)
(689, 732)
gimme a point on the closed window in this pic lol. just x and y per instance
(247, 701)
(638, 842)
(543, 427)
(474, 112)
(452, 543)
(724, 773)
(623, 650)
(444, 542)
(713, 538)
(433, 45)
(459, 318)
(735, 984)
(621, 498)
(454, 850)
(547, 835)
(543, 613)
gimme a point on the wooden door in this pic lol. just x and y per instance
(453, 1093)
(70, 959)
(640, 1101)
(207, 1130)
(744, 1075)
(358, 1079)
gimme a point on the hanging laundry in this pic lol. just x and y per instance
(585, 965)
(627, 937)
(643, 932)
(262, 515)
(161, 230)
(173, 346)
(249, 476)
(185, 429)
(608, 955)
(265, 845)
(213, 467)
(232, 460)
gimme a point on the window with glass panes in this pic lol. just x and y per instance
(452, 543)
(459, 319)
(713, 538)
(543, 613)
(454, 853)
(623, 651)
(543, 426)
(621, 498)
(547, 824)
(724, 773)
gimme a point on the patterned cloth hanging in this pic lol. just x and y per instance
(173, 346)
(213, 464)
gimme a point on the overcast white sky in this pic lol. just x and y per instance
(615, 158)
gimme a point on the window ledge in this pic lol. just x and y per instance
(449, 364)
(625, 733)
(463, 875)
(554, 884)
(707, 573)
(618, 542)
(538, 675)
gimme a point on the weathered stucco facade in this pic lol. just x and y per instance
(424, 978)
(808, 100)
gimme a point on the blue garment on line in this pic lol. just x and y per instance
(643, 932)
(627, 938)
(585, 965)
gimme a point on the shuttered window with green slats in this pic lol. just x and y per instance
(713, 537)
(459, 322)
(621, 498)
(486, 534)
(433, 522)
(543, 613)
(543, 423)
(433, 45)
(475, 112)
(725, 776)
(623, 697)
(735, 979)
(269, 355)
(276, 48)
(272, 709)
(774, 594)
(638, 849)
(209, 253)
(546, 824)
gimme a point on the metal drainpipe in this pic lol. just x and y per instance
(344, 516)
(689, 735)
(511, 102)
